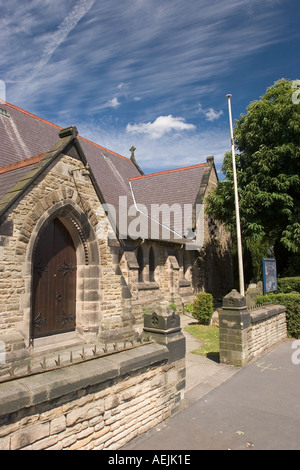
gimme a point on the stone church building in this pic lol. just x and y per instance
(68, 259)
(89, 243)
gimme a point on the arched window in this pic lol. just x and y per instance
(151, 265)
(186, 263)
(140, 260)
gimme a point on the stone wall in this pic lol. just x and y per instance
(171, 282)
(244, 334)
(91, 406)
(268, 327)
(98, 404)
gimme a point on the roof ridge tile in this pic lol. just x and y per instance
(22, 163)
(164, 172)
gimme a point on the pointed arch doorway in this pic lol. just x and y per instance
(54, 282)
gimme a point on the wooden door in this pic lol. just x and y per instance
(54, 282)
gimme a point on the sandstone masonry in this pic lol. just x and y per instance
(98, 404)
(244, 334)
(92, 405)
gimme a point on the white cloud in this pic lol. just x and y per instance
(114, 103)
(172, 51)
(161, 126)
(212, 115)
(121, 86)
(59, 36)
(209, 113)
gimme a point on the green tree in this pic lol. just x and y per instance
(267, 141)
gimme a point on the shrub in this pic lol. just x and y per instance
(292, 304)
(286, 285)
(188, 308)
(203, 308)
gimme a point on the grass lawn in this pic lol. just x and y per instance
(209, 334)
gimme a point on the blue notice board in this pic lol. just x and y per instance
(269, 275)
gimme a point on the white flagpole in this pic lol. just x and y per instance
(237, 210)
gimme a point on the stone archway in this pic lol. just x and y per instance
(82, 233)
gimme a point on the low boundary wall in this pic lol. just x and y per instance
(99, 404)
(268, 327)
(244, 334)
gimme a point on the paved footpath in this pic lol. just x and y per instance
(253, 408)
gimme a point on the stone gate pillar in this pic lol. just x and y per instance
(234, 321)
(163, 325)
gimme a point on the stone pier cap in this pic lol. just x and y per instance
(234, 311)
(163, 320)
(163, 325)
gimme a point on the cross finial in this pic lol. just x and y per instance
(132, 158)
(132, 149)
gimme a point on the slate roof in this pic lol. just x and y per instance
(26, 138)
(11, 174)
(23, 135)
(167, 192)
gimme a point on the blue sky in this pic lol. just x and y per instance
(148, 73)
